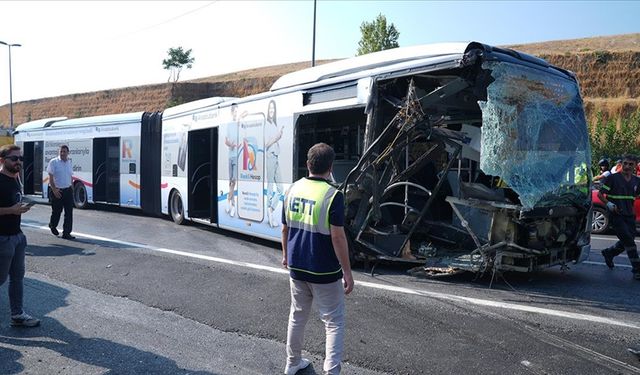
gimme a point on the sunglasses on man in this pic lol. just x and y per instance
(14, 158)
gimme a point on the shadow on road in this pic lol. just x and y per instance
(52, 335)
(56, 250)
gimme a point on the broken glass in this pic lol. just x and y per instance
(534, 135)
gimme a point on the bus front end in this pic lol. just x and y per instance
(479, 166)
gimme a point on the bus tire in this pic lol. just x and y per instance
(176, 208)
(80, 195)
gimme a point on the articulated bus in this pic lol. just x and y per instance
(459, 156)
(112, 156)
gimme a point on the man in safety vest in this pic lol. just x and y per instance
(621, 189)
(314, 248)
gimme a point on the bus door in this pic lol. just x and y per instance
(32, 167)
(202, 173)
(106, 170)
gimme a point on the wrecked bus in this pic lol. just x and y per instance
(473, 158)
(458, 156)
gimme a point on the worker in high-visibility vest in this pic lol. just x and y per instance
(315, 250)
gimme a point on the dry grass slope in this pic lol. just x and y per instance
(607, 67)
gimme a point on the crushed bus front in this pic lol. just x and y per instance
(481, 165)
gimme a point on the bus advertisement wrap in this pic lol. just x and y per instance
(250, 168)
(129, 162)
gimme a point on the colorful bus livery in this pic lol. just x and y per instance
(106, 154)
(455, 155)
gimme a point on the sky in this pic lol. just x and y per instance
(72, 47)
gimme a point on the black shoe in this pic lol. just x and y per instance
(68, 237)
(54, 230)
(608, 259)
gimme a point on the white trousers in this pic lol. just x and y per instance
(329, 301)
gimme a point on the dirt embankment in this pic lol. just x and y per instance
(609, 81)
(608, 69)
(148, 97)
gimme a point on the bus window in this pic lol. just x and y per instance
(342, 129)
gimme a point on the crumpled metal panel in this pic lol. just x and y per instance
(534, 135)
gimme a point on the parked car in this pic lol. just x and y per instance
(600, 222)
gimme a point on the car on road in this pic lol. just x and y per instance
(600, 221)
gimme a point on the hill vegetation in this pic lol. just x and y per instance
(607, 67)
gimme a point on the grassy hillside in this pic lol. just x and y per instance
(612, 43)
(607, 67)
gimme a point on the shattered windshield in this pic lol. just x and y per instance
(534, 135)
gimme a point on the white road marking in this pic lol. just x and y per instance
(604, 264)
(609, 238)
(622, 255)
(441, 296)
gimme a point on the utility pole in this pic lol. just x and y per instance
(10, 84)
(313, 48)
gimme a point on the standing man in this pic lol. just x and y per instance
(314, 248)
(60, 171)
(622, 189)
(12, 240)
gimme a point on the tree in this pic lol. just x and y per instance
(178, 58)
(613, 138)
(377, 36)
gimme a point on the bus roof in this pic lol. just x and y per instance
(100, 120)
(38, 124)
(396, 59)
(387, 58)
(198, 104)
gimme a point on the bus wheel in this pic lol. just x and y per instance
(176, 210)
(79, 195)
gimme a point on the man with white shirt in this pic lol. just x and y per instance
(61, 185)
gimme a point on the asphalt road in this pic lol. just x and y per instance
(139, 295)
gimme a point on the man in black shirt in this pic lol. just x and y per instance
(621, 189)
(12, 240)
